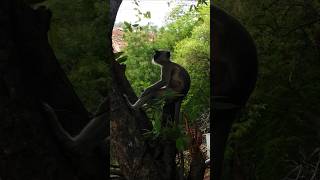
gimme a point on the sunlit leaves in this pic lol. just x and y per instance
(128, 26)
(194, 53)
(139, 14)
(147, 15)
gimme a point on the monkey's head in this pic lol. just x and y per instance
(161, 57)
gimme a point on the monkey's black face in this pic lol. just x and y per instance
(161, 57)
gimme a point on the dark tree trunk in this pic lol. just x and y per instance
(29, 75)
(234, 73)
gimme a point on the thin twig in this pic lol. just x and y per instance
(300, 170)
(316, 170)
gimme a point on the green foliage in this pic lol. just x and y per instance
(140, 70)
(179, 26)
(163, 131)
(282, 117)
(139, 14)
(78, 37)
(193, 53)
(155, 116)
(182, 143)
(120, 57)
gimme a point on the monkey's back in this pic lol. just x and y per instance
(180, 80)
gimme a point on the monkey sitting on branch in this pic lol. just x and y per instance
(174, 79)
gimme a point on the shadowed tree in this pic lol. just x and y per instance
(29, 75)
(234, 76)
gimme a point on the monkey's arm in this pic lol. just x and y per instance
(164, 81)
(93, 133)
(57, 128)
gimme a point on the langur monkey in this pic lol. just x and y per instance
(174, 78)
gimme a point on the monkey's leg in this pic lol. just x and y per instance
(177, 107)
(141, 101)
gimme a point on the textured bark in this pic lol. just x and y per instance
(132, 151)
(197, 166)
(30, 74)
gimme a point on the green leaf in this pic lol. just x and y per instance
(147, 15)
(118, 54)
(135, 2)
(181, 143)
(127, 26)
(190, 9)
(122, 59)
(157, 125)
(126, 23)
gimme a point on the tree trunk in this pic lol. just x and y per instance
(29, 75)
